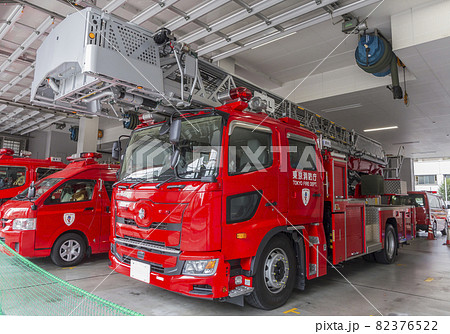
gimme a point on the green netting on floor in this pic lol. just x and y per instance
(27, 289)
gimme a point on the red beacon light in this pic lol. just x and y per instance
(6, 151)
(25, 153)
(90, 155)
(235, 94)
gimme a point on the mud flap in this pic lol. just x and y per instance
(301, 266)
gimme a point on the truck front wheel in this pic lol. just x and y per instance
(69, 250)
(275, 275)
(388, 254)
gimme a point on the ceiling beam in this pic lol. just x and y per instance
(19, 121)
(296, 27)
(18, 78)
(43, 125)
(11, 114)
(260, 27)
(29, 106)
(41, 9)
(152, 11)
(195, 14)
(12, 18)
(22, 94)
(229, 20)
(113, 5)
(32, 123)
(24, 46)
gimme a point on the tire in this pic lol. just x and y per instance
(69, 250)
(444, 231)
(269, 293)
(389, 253)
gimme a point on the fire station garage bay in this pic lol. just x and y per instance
(225, 157)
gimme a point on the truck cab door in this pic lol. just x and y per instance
(71, 206)
(305, 180)
(250, 187)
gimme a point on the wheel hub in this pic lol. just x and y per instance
(70, 250)
(276, 270)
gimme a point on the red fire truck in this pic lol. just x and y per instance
(64, 216)
(225, 203)
(17, 172)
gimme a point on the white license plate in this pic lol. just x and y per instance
(140, 271)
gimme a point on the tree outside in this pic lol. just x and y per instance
(442, 190)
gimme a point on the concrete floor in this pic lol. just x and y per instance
(417, 284)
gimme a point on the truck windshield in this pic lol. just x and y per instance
(41, 186)
(147, 158)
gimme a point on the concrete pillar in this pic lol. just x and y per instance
(407, 173)
(48, 144)
(87, 135)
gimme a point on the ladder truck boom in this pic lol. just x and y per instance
(96, 63)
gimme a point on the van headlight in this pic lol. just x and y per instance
(24, 224)
(200, 267)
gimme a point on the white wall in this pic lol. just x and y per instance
(439, 167)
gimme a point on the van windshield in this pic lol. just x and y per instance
(41, 186)
(418, 200)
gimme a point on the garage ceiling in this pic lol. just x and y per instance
(236, 29)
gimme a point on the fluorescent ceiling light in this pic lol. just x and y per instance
(350, 106)
(407, 143)
(274, 40)
(427, 152)
(382, 129)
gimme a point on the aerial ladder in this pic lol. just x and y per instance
(94, 63)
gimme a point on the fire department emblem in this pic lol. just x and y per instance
(141, 213)
(69, 218)
(305, 196)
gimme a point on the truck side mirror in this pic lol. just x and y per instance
(116, 150)
(175, 132)
(175, 158)
(31, 190)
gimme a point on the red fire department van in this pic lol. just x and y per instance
(430, 210)
(17, 172)
(68, 216)
(216, 206)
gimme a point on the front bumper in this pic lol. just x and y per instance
(208, 287)
(20, 241)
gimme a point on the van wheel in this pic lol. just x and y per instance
(275, 275)
(388, 254)
(69, 250)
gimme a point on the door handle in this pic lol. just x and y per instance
(317, 195)
(272, 203)
(89, 209)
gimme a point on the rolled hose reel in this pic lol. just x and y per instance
(374, 55)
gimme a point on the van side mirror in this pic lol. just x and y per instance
(116, 150)
(31, 191)
(175, 132)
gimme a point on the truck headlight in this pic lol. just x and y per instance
(200, 267)
(24, 224)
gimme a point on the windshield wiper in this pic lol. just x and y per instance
(165, 181)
